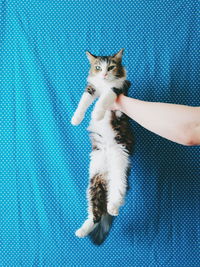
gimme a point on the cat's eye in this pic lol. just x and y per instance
(97, 67)
(111, 67)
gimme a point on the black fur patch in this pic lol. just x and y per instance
(123, 131)
(98, 195)
(120, 71)
(126, 86)
(113, 61)
(123, 90)
(90, 89)
(104, 58)
(117, 91)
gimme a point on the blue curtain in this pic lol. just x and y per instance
(44, 159)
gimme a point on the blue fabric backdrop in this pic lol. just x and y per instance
(44, 159)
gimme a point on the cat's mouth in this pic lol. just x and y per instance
(107, 78)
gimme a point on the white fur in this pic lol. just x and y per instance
(85, 102)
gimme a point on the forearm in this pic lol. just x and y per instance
(178, 123)
(85, 101)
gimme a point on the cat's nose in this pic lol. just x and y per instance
(105, 75)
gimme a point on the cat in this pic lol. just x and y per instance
(112, 144)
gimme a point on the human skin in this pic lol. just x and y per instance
(178, 123)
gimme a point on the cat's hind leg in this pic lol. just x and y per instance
(118, 163)
(87, 227)
(96, 194)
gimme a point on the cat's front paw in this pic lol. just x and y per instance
(98, 114)
(77, 119)
(80, 233)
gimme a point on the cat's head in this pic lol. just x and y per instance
(107, 67)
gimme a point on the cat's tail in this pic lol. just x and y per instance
(100, 232)
(98, 198)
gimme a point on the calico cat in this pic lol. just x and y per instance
(112, 144)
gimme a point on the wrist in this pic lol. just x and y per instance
(119, 102)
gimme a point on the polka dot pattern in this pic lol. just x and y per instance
(44, 159)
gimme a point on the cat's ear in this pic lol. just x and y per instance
(90, 56)
(119, 55)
